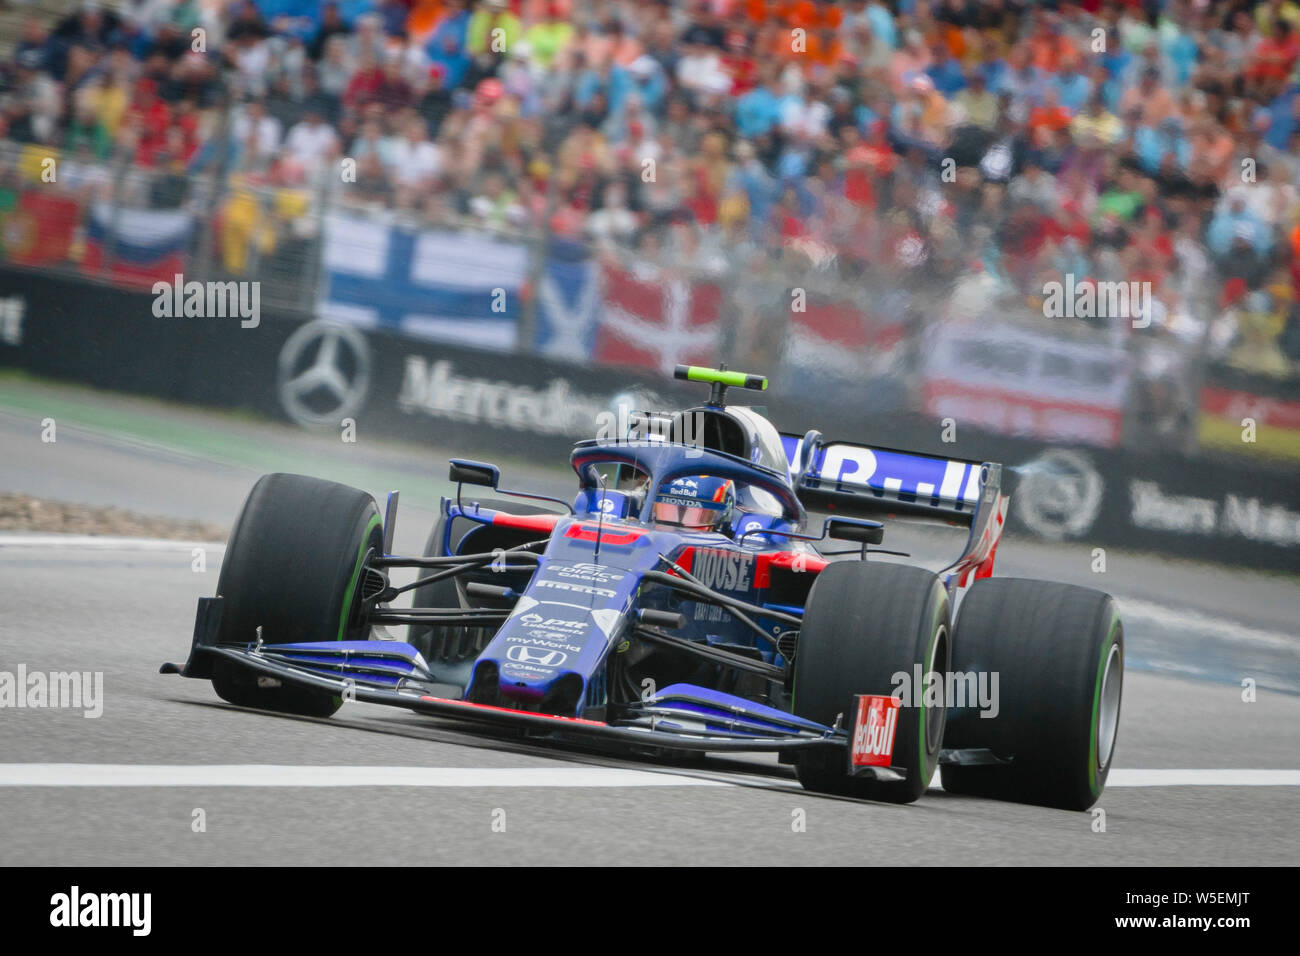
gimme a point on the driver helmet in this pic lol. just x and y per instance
(696, 501)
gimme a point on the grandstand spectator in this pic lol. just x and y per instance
(447, 46)
(336, 68)
(413, 162)
(713, 129)
(255, 133)
(492, 30)
(33, 46)
(91, 26)
(331, 25)
(977, 103)
(147, 121)
(312, 141)
(1148, 101)
(84, 173)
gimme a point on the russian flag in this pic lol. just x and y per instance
(137, 246)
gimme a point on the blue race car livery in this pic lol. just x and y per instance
(680, 603)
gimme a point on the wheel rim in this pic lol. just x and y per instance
(1108, 710)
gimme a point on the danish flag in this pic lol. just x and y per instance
(657, 323)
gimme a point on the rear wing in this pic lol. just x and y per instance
(864, 481)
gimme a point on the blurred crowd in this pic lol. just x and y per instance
(983, 148)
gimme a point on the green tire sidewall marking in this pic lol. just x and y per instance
(356, 574)
(1096, 704)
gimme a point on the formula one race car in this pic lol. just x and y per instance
(678, 605)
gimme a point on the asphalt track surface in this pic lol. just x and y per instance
(1201, 776)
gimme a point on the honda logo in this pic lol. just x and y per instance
(521, 654)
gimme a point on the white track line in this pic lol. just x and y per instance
(1184, 620)
(1203, 778)
(270, 775)
(95, 542)
(1216, 777)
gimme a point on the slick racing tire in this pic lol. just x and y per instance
(865, 623)
(1058, 653)
(293, 566)
(444, 593)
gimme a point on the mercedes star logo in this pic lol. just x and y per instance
(324, 373)
(1060, 494)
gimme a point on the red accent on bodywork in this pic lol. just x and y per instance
(511, 710)
(589, 533)
(979, 563)
(796, 561)
(527, 522)
(985, 569)
(875, 722)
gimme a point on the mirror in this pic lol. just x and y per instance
(466, 472)
(867, 532)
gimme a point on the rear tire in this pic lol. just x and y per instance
(1058, 651)
(293, 566)
(865, 623)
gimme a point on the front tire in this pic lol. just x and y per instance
(865, 624)
(1058, 651)
(293, 567)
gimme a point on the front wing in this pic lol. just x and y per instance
(393, 673)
